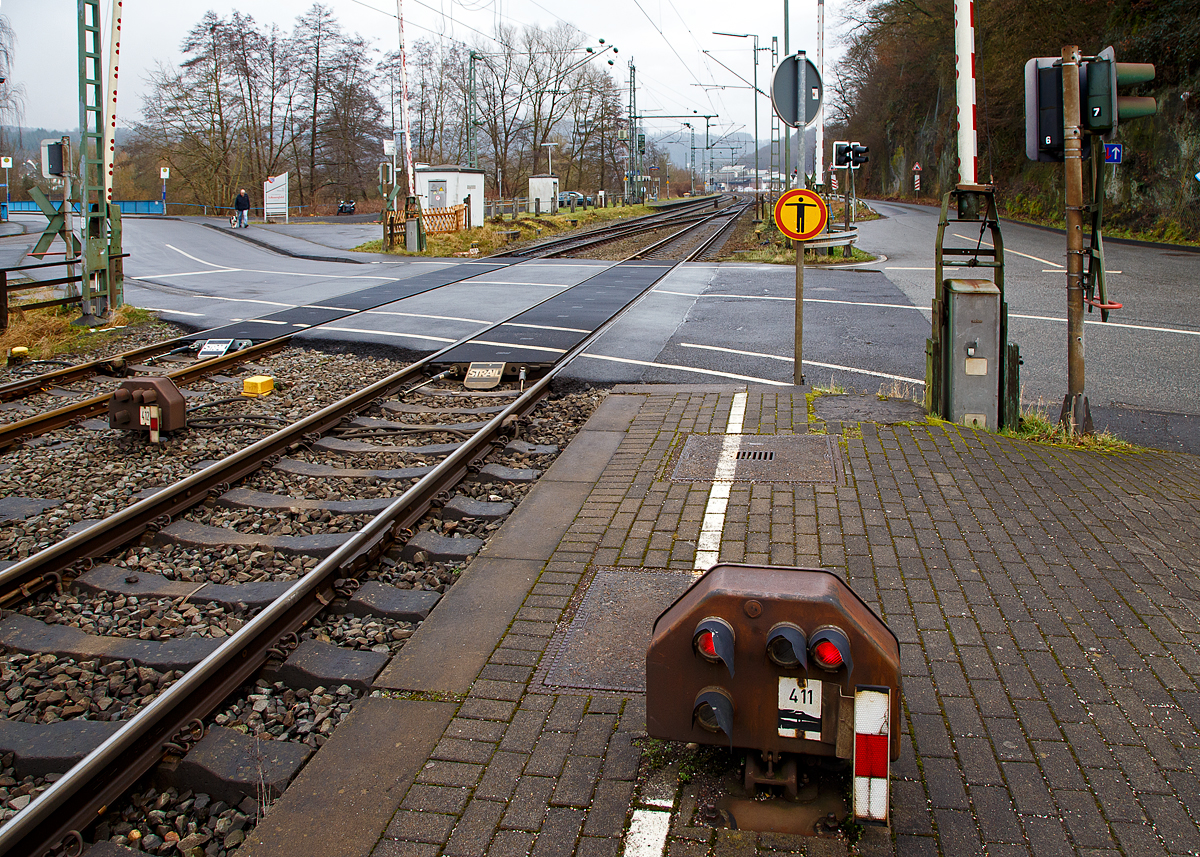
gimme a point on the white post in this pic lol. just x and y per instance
(819, 165)
(964, 64)
(404, 119)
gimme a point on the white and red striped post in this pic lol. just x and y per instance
(872, 753)
(110, 98)
(964, 69)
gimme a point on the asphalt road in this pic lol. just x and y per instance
(865, 328)
(1142, 368)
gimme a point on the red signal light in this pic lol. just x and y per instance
(827, 655)
(705, 644)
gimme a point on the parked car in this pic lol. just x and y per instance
(565, 197)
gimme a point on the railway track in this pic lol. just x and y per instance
(367, 505)
(254, 338)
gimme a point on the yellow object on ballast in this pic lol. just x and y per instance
(258, 385)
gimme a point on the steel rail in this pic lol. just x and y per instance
(605, 233)
(25, 386)
(84, 793)
(12, 433)
(670, 238)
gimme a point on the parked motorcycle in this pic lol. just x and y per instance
(346, 207)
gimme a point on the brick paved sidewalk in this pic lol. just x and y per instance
(1046, 602)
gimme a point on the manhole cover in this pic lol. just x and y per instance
(604, 647)
(761, 458)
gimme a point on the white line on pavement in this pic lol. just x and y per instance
(788, 359)
(647, 836)
(750, 378)
(708, 545)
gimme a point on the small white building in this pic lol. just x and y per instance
(448, 185)
(544, 189)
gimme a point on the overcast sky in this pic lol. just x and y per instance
(664, 38)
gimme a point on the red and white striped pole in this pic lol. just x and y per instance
(964, 68)
(110, 99)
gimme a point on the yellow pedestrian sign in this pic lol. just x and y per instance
(801, 214)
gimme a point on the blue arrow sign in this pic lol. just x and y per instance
(1113, 153)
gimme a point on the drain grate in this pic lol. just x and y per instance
(761, 458)
(756, 455)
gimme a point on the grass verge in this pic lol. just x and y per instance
(1037, 425)
(49, 333)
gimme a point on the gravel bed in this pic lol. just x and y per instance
(143, 619)
(47, 688)
(205, 565)
(15, 794)
(280, 713)
(97, 473)
(168, 822)
(367, 633)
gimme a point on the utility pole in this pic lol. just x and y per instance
(787, 133)
(472, 116)
(819, 154)
(1075, 416)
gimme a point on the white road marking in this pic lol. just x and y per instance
(174, 312)
(423, 315)
(708, 545)
(194, 259)
(1063, 270)
(808, 362)
(519, 345)
(647, 836)
(1103, 324)
(545, 327)
(388, 333)
(692, 369)
(225, 269)
(793, 300)
(1014, 252)
(478, 282)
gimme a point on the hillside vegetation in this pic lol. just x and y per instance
(897, 82)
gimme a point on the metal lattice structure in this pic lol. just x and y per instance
(103, 280)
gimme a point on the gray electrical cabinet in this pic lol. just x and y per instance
(972, 355)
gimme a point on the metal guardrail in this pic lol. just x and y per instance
(839, 238)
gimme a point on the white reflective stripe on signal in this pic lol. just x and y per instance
(647, 835)
(871, 732)
(708, 545)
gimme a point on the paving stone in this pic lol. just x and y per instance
(576, 782)
(609, 808)
(559, 831)
(528, 805)
(420, 826)
(501, 775)
(549, 754)
(426, 798)
(450, 774)
(397, 848)
(511, 843)
(474, 829)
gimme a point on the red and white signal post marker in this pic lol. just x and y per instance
(800, 214)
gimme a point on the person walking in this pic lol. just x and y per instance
(241, 209)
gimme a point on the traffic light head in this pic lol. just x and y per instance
(1104, 107)
(778, 660)
(858, 155)
(841, 154)
(1043, 109)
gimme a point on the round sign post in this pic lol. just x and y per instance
(800, 214)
